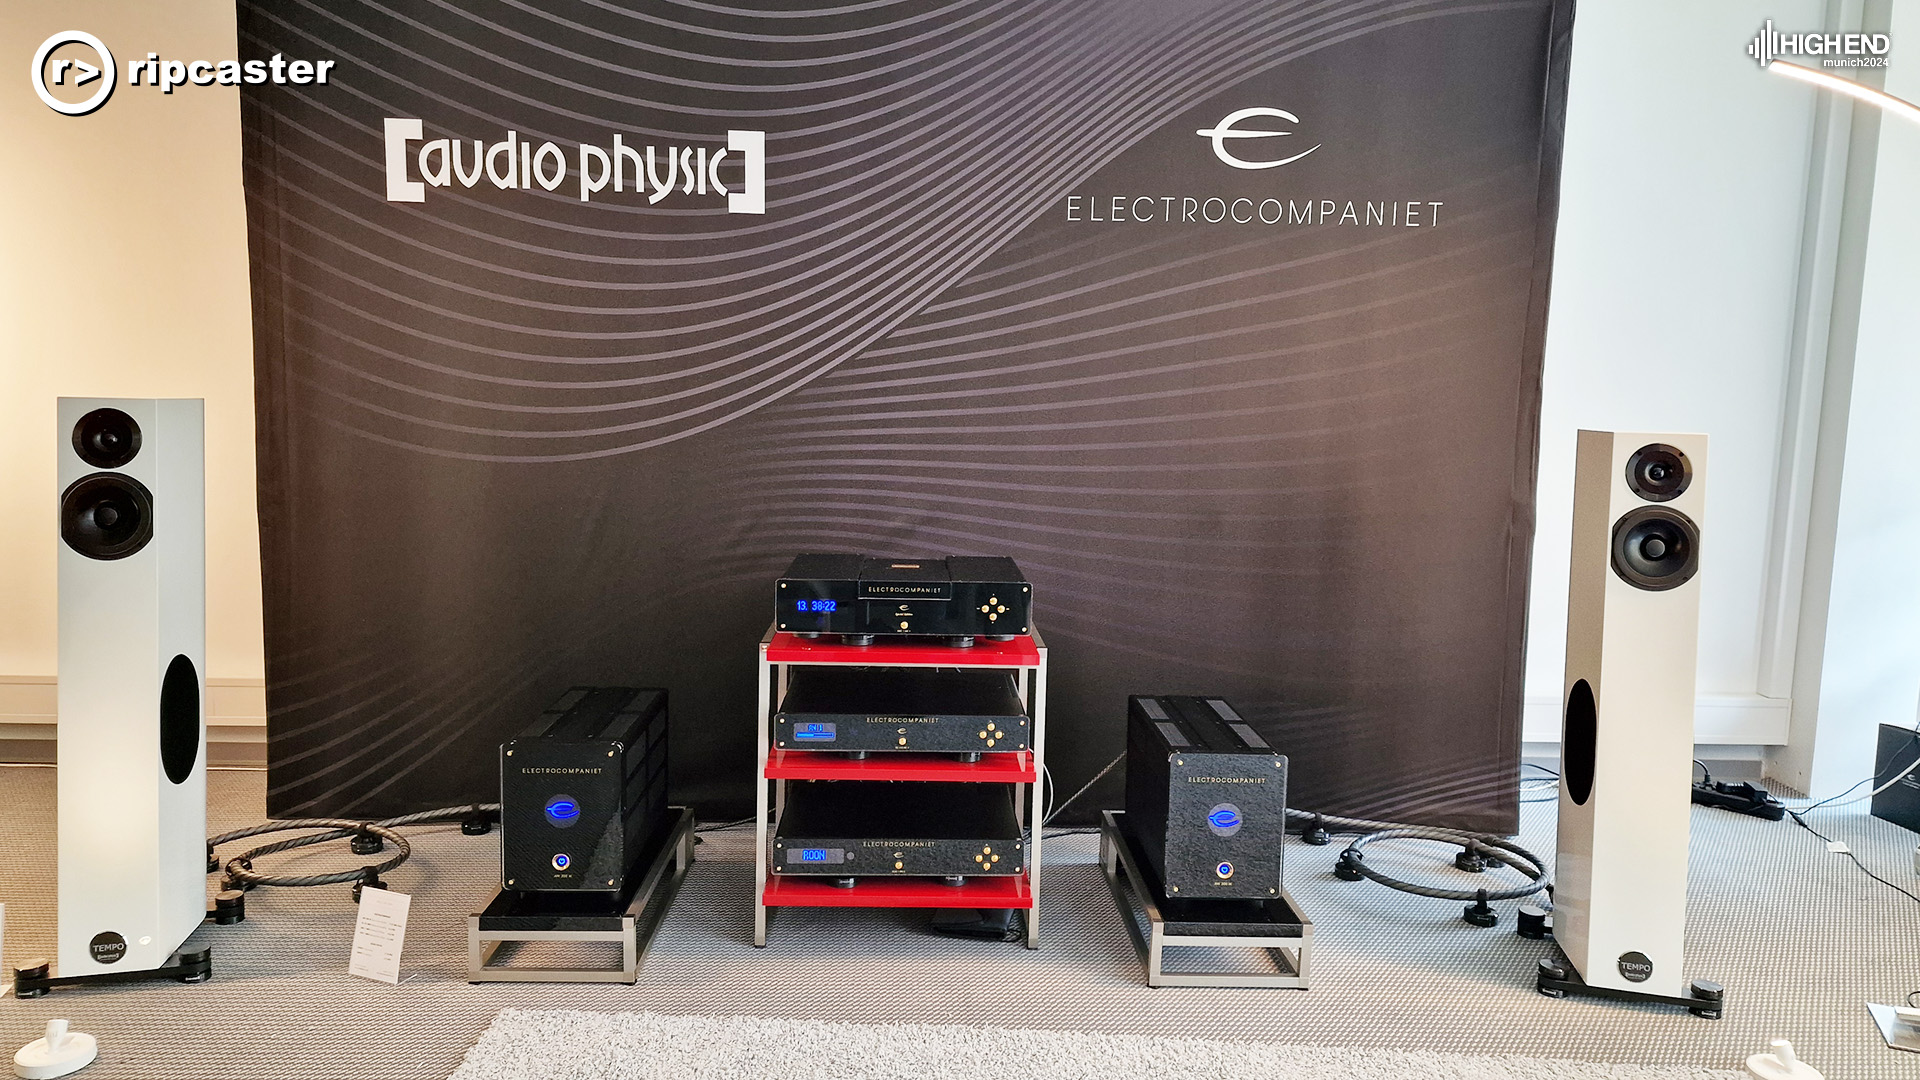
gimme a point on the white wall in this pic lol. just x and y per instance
(123, 273)
(1674, 271)
(1861, 652)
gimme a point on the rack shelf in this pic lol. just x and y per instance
(981, 892)
(786, 648)
(992, 768)
(779, 654)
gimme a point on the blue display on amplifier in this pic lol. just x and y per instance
(816, 606)
(813, 854)
(563, 811)
(814, 732)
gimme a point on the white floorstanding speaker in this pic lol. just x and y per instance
(1633, 629)
(132, 735)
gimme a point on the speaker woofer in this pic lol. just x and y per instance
(1658, 472)
(1656, 548)
(106, 516)
(106, 438)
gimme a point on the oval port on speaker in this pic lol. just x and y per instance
(1577, 743)
(106, 516)
(179, 719)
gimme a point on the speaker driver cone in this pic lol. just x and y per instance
(1656, 548)
(106, 516)
(106, 438)
(1659, 473)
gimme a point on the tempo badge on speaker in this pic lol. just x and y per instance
(1633, 619)
(131, 736)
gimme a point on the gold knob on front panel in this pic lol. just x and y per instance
(903, 742)
(899, 866)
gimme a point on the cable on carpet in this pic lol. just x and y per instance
(240, 872)
(1848, 852)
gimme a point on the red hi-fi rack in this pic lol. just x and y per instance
(780, 653)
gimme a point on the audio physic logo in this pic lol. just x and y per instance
(515, 162)
(1835, 50)
(83, 72)
(1228, 128)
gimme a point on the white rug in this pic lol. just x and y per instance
(562, 1044)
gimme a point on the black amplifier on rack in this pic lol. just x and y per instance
(1206, 798)
(869, 828)
(861, 598)
(938, 710)
(583, 792)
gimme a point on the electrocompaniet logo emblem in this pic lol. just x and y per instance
(1226, 129)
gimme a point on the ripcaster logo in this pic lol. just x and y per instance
(1227, 129)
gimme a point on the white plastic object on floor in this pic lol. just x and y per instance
(1781, 1063)
(57, 1053)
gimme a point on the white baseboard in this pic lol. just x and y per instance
(1718, 720)
(236, 709)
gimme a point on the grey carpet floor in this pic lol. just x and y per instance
(564, 1044)
(1799, 936)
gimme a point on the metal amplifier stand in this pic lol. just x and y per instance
(630, 921)
(1282, 932)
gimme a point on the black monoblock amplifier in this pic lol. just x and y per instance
(1206, 798)
(1900, 803)
(867, 828)
(861, 598)
(583, 792)
(939, 710)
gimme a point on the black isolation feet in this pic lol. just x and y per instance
(1534, 923)
(32, 979)
(1480, 913)
(477, 823)
(229, 907)
(1470, 861)
(369, 879)
(1316, 834)
(366, 843)
(1348, 868)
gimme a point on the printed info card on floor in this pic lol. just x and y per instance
(378, 935)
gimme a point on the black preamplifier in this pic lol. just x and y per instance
(942, 710)
(583, 792)
(860, 598)
(1206, 798)
(866, 828)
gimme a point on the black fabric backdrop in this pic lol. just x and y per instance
(512, 441)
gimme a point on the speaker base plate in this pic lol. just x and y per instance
(186, 966)
(1558, 979)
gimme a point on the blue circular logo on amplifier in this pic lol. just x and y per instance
(1224, 819)
(563, 811)
(562, 861)
(1224, 870)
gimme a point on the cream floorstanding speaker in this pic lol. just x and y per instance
(132, 736)
(1633, 628)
